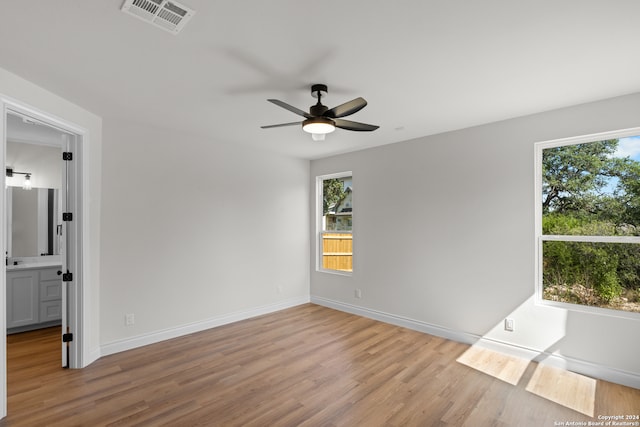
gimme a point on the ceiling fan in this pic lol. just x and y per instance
(321, 120)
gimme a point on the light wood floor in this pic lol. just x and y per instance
(308, 365)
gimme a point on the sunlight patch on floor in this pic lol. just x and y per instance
(499, 365)
(566, 388)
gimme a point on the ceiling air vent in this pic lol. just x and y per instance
(168, 15)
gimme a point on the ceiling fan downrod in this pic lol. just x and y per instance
(318, 91)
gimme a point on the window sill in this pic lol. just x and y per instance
(336, 272)
(600, 311)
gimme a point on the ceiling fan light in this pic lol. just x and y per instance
(318, 125)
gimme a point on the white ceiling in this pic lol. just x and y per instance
(425, 67)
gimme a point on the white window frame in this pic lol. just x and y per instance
(540, 238)
(319, 226)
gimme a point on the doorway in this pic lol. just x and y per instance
(31, 140)
(35, 194)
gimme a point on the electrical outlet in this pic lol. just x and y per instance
(279, 288)
(508, 325)
(129, 319)
(358, 293)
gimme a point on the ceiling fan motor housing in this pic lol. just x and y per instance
(317, 110)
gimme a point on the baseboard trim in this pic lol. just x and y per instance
(166, 334)
(91, 356)
(397, 320)
(33, 327)
(582, 367)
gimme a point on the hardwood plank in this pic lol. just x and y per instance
(305, 366)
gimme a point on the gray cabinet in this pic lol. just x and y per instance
(34, 298)
(23, 298)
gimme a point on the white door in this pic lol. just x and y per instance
(69, 271)
(63, 230)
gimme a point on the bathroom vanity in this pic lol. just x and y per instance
(34, 288)
(34, 296)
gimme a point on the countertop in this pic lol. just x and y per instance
(27, 265)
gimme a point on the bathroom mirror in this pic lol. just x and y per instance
(32, 222)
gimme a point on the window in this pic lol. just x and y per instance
(335, 214)
(588, 222)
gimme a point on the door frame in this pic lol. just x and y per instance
(75, 295)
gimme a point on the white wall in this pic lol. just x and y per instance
(196, 233)
(42, 161)
(444, 238)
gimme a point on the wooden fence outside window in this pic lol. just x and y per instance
(337, 251)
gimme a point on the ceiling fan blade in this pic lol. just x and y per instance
(281, 125)
(349, 125)
(290, 108)
(346, 109)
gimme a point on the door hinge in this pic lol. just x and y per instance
(67, 277)
(68, 337)
(67, 216)
(67, 155)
